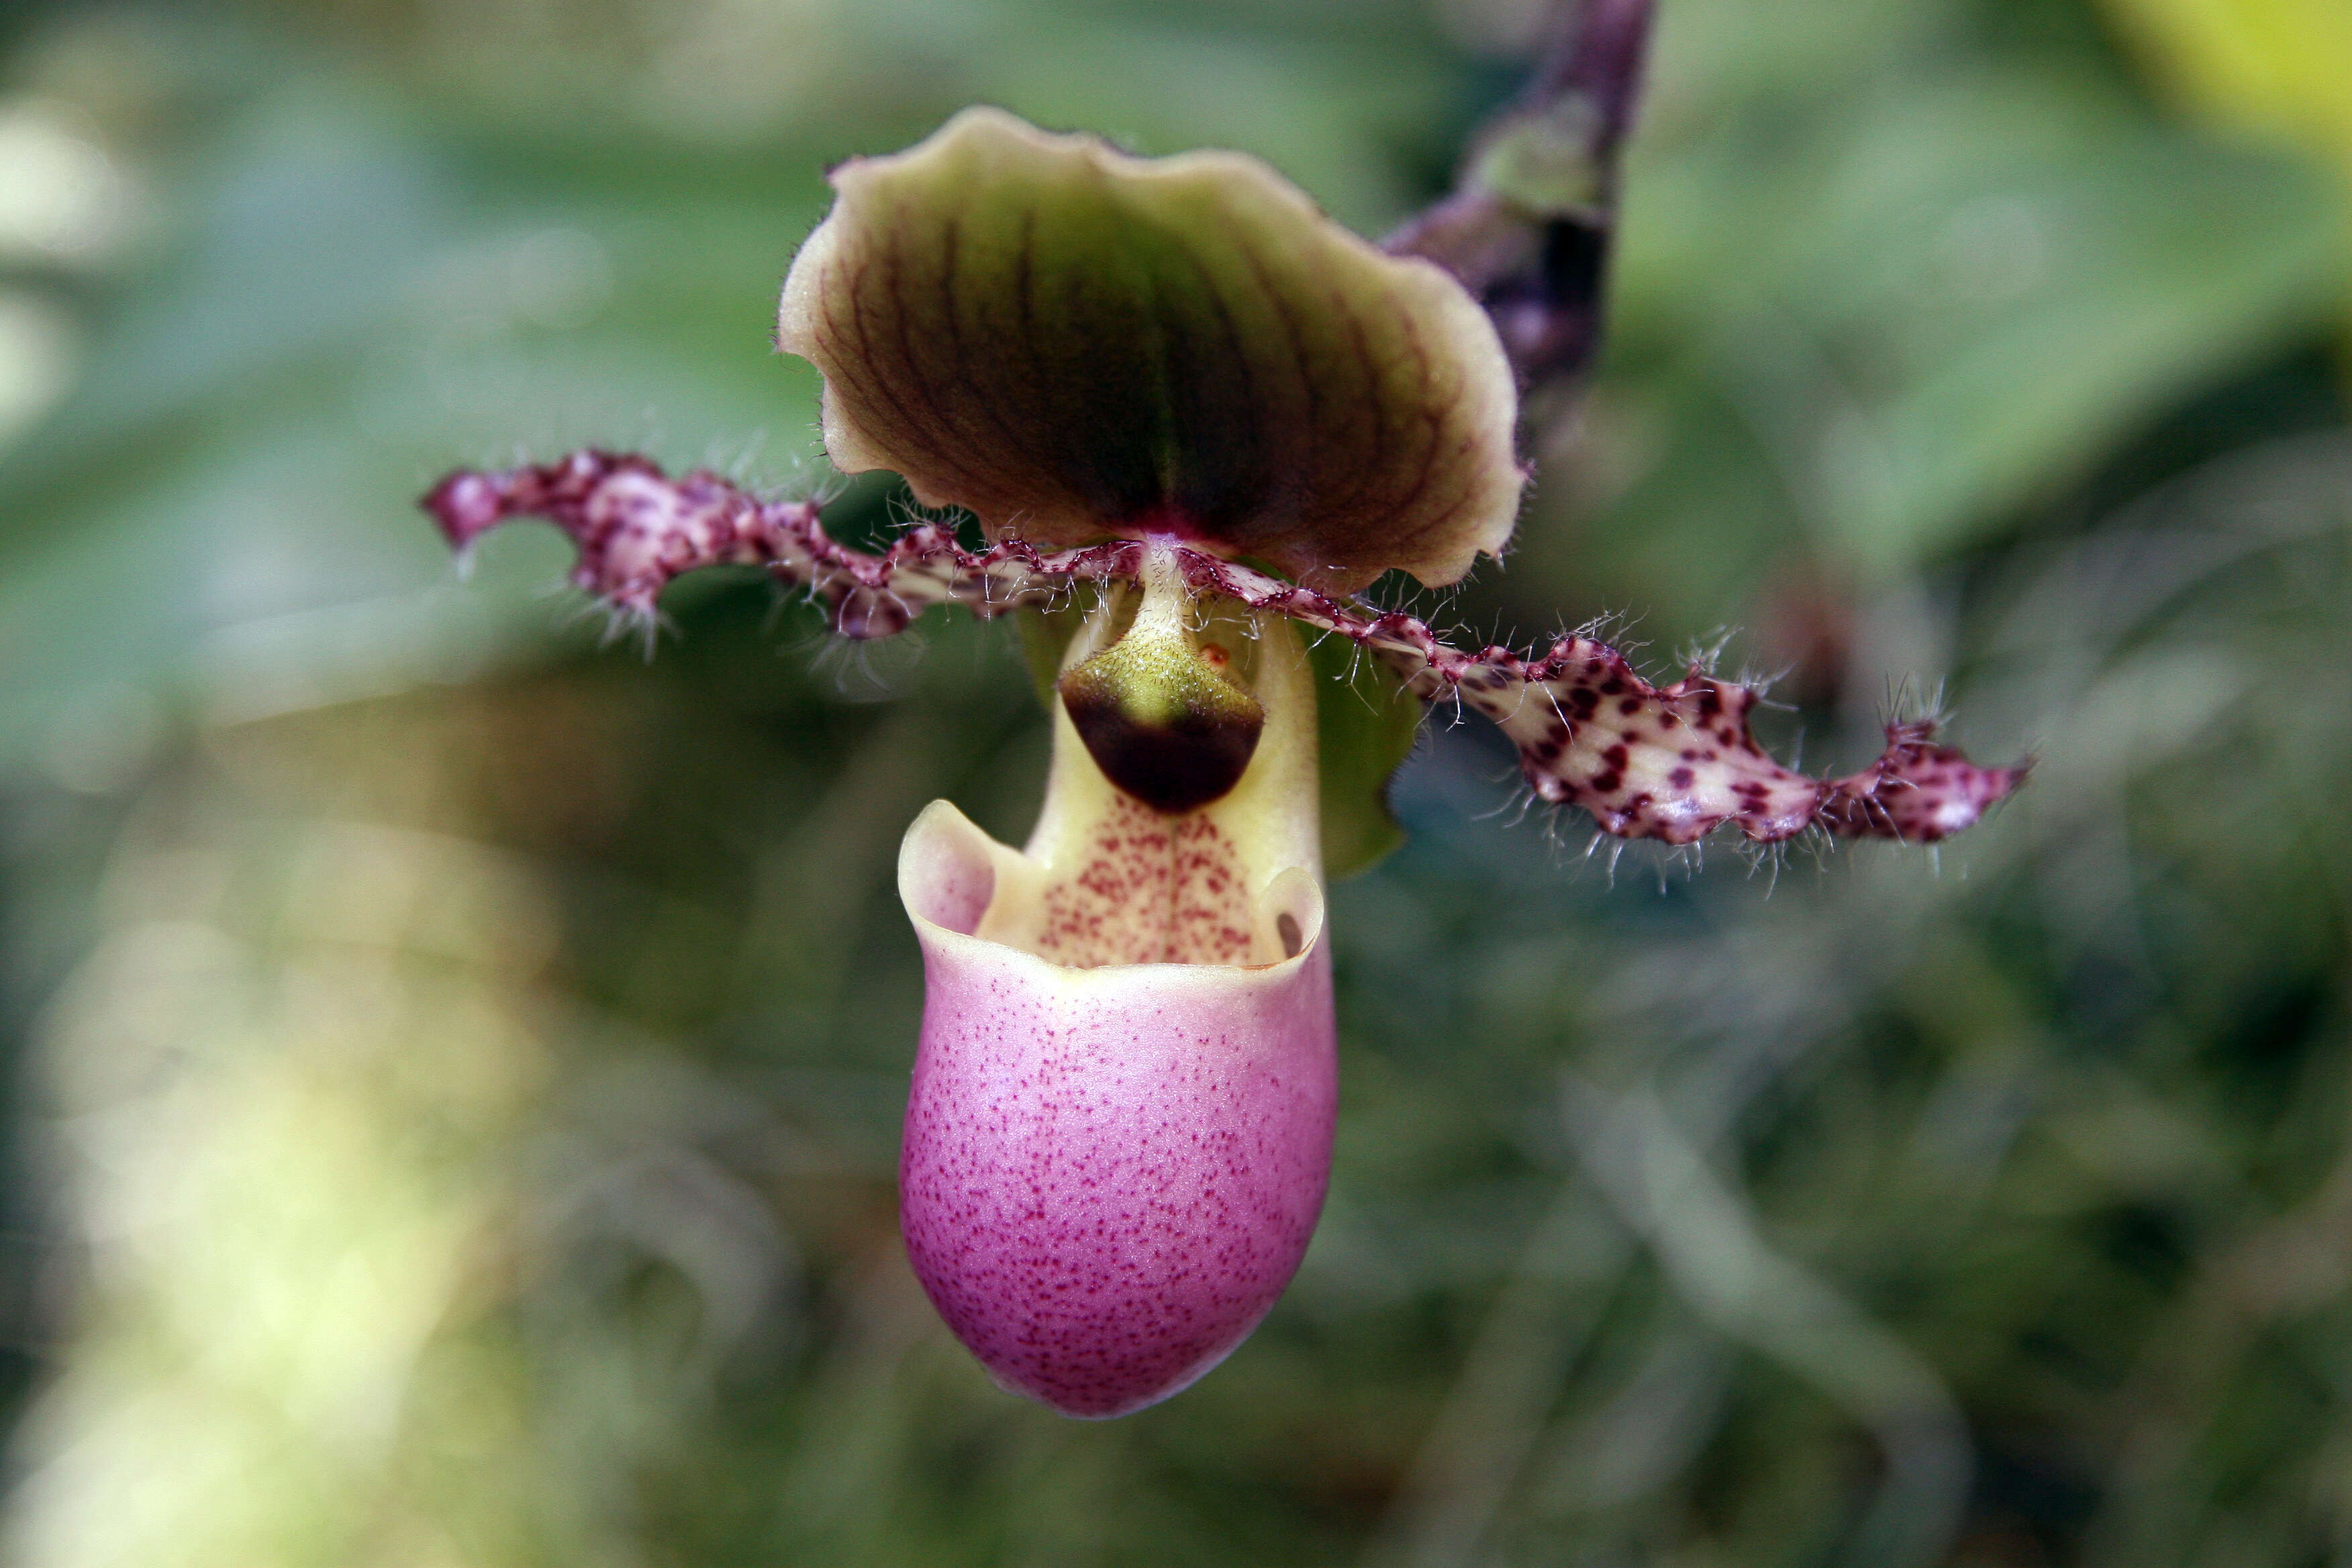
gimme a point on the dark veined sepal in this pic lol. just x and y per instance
(1078, 345)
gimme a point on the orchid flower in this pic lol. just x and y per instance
(1194, 417)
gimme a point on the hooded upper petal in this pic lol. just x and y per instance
(1077, 344)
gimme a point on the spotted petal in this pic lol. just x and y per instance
(1079, 345)
(1673, 763)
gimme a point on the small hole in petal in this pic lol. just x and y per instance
(1285, 926)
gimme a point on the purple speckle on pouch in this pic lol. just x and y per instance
(1109, 1174)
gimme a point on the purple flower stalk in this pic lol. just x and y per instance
(1178, 385)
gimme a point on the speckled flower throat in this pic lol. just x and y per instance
(1194, 418)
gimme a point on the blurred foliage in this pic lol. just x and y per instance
(457, 1066)
(2272, 66)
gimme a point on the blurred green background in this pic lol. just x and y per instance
(454, 1068)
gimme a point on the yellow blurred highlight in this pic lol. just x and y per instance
(2279, 67)
(290, 1082)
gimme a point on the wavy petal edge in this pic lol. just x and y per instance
(1076, 345)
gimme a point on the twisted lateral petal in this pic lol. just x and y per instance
(636, 529)
(1674, 762)
(1077, 345)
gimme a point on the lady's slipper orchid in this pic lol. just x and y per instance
(1120, 1127)
(1177, 382)
(1120, 1124)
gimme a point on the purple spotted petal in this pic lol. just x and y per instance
(1672, 763)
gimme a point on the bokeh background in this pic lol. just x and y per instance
(453, 1067)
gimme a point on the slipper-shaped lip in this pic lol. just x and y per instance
(1110, 1174)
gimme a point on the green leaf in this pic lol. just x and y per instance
(1933, 307)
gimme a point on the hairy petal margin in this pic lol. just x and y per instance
(1671, 763)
